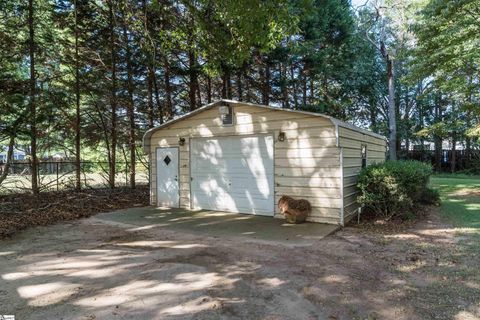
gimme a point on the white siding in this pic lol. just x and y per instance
(318, 161)
(306, 163)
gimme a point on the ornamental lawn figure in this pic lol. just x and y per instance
(295, 211)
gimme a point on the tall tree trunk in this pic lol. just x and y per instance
(266, 85)
(113, 99)
(406, 116)
(156, 91)
(453, 160)
(285, 96)
(437, 139)
(33, 106)
(373, 115)
(392, 122)
(264, 80)
(130, 106)
(294, 87)
(304, 87)
(239, 85)
(224, 85)
(193, 79)
(168, 90)
(199, 93)
(228, 81)
(150, 73)
(150, 112)
(468, 152)
(248, 93)
(468, 140)
(209, 89)
(78, 169)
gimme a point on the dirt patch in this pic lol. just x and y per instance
(19, 211)
(371, 224)
(434, 263)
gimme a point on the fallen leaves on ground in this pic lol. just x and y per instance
(19, 211)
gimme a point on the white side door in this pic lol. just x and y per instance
(167, 177)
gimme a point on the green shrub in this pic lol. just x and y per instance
(394, 187)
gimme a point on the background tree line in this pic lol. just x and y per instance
(90, 76)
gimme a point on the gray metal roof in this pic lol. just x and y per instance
(336, 122)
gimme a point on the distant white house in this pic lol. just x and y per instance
(17, 154)
(58, 157)
(429, 145)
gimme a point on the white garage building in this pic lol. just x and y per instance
(241, 157)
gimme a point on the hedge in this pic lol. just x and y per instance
(394, 188)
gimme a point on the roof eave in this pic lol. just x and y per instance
(355, 128)
(148, 134)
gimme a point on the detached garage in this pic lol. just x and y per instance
(241, 157)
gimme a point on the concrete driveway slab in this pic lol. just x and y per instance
(220, 224)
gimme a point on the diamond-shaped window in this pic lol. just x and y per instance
(167, 160)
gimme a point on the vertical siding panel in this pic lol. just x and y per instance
(342, 189)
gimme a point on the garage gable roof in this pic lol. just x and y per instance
(336, 122)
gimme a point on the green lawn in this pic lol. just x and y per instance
(453, 293)
(460, 197)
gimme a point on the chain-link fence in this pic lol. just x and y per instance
(60, 175)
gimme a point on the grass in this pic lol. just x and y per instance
(460, 195)
(456, 290)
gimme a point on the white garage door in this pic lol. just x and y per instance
(233, 174)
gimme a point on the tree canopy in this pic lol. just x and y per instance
(88, 77)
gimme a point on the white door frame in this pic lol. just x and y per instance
(178, 173)
(272, 133)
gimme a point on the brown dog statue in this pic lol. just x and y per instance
(294, 211)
